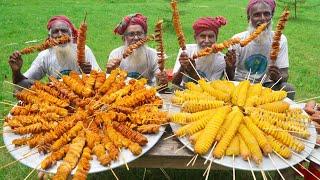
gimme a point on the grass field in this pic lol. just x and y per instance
(23, 21)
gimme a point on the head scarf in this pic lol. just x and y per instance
(251, 3)
(65, 20)
(209, 23)
(132, 19)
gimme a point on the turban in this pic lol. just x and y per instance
(65, 20)
(209, 23)
(251, 3)
(132, 19)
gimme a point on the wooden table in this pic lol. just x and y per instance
(163, 155)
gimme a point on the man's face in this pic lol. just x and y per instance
(205, 38)
(260, 13)
(58, 29)
(133, 34)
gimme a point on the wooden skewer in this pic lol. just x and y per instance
(214, 145)
(7, 103)
(195, 160)
(249, 74)
(188, 76)
(314, 156)
(295, 169)
(309, 171)
(251, 169)
(254, 78)
(169, 137)
(123, 159)
(193, 157)
(180, 148)
(205, 172)
(31, 172)
(177, 86)
(304, 100)
(269, 175)
(264, 177)
(114, 174)
(19, 86)
(307, 141)
(226, 75)
(194, 68)
(16, 148)
(263, 78)
(282, 88)
(276, 83)
(233, 168)
(5, 146)
(288, 92)
(1, 119)
(305, 159)
(142, 74)
(4, 166)
(165, 173)
(283, 130)
(209, 167)
(144, 173)
(274, 164)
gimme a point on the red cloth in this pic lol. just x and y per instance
(132, 19)
(251, 3)
(209, 23)
(65, 20)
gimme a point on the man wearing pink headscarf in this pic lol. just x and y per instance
(60, 58)
(211, 67)
(255, 57)
(143, 61)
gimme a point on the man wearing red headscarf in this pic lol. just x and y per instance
(206, 30)
(60, 58)
(143, 61)
(255, 57)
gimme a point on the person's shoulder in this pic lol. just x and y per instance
(241, 35)
(45, 54)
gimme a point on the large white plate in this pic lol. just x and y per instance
(267, 164)
(34, 161)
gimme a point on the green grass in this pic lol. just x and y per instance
(22, 21)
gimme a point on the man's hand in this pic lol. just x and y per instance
(162, 77)
(274, 73)
(86, 67)
(185, 61)
(15, 62)
(230, 58)
(113, 64)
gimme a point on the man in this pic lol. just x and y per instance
(210, 67)
(55, 60)
(255, 57)
(143, 61)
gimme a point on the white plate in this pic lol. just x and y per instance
(266, 164)
(34, 161)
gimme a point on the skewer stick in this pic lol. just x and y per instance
(188, 76)
(263, 78)
(165, 173)
(276, 129)
(305, 159)
(249, 74)
(193, 157)
(19, 86)
(314, 157)
(180, 148)
(177, 86)
(195, 160)
(142, 74)
(114, 174)
(28, 155)
(274, 164)
(301, 139)
(264, 177)
(169, 137)
(269, 175)
(123, 159)
(16, 148)
(194, 68)
(31, 172)
(233, 168)
(254, 78)
(12, 102)
(289, 164)
(251, 169)
(214, 145)
(1, 119)
(207, 176)
(309, 171)
(276, 83)
(5, 146)
(7, 103)
(226, 75)
(288, 92)
(282, 88)
(144, 173)
(304, 100)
